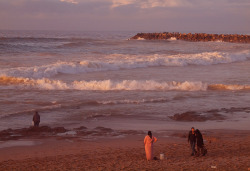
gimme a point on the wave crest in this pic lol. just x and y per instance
(44, 83)
(228, 87)
(105, 85)
(4, 80)
(125, 62)
(138, 85)
(110, 85)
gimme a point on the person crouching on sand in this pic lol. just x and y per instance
(149, 142)
(36, 119)
(192, 140)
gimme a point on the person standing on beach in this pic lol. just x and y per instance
(200, 143)
(192, 140)
(36, 119)
(149, 142)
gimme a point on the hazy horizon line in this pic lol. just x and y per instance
(136, 31)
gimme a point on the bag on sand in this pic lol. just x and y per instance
(155, 158)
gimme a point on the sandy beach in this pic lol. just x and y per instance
(227, 150)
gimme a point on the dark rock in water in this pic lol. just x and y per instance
(194, 116)
(99, 128)
(59, 130)
(5, 133)
(188, 116)
(37, 129)
(234, 38)
(81, 128)
(35, 132)
(45, 129)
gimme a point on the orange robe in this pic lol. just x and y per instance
(148, 142)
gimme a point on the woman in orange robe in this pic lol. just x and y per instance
(148, 142)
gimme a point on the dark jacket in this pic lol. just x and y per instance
(36, 118)
(191, 137)
(199, 138)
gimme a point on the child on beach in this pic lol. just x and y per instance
(148, 142)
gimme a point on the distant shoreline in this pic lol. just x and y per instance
(196, 37)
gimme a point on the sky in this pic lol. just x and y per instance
(217, 16)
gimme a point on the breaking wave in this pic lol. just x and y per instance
(109, 85)
(125, 62)
(105, 85)
(228, 87)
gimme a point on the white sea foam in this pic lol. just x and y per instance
(172, 38)
(127, 101)
(140, 38)
(138, 85)
(105, 85)
(119, 62)
(109, 85)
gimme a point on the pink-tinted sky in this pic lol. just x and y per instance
(229, 16)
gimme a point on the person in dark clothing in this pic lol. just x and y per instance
(192, 140)
(200, 143)
(36, 119)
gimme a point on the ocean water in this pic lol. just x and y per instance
(104, 79)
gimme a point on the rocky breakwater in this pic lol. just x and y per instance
(234, 38)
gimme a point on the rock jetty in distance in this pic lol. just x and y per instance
(196, 37)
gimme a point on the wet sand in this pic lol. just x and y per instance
(227, 150)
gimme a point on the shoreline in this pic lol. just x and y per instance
(227, 149)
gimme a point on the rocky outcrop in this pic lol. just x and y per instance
(234, 38)
(192, 116)
(31, 132)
